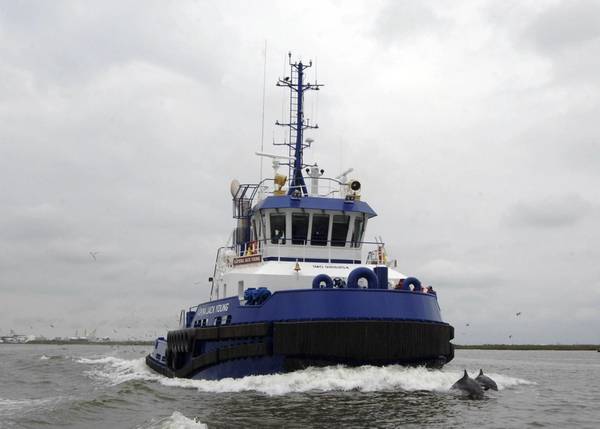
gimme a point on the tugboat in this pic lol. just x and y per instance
(292, 288)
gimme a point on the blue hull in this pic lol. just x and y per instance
(301, 328)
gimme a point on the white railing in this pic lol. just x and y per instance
(327, 187)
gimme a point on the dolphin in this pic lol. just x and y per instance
(485, 381)
(469, 387)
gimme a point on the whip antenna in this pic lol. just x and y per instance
(262, 132)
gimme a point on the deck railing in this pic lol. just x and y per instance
(328, 186)
(309, 249)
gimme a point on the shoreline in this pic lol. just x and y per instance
(86, 343)
(550, 347)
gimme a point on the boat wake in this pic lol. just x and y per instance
(335, 378)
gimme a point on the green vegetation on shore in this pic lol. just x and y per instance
(579, 347)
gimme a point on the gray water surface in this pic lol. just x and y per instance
(83, 386)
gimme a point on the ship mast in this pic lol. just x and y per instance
(297, 124)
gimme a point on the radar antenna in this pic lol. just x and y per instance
(297, 124)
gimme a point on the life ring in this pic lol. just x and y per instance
(316, 283)
(411, 281)
(362, 273)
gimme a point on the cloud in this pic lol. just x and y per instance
(565, 25)
(68, 42)
(123, 125)
(568, 33)
(452, 273)
(550, 212)
(399, 21)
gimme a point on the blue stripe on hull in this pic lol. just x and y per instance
(322, 304)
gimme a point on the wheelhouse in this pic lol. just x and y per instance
(310, 229)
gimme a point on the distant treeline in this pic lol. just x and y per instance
(592, 347)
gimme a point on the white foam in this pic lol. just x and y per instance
(116, 371)
(334, 378)
(177, 421)
(44, 357)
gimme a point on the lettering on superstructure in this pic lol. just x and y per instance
(219, 308)
(343, 267)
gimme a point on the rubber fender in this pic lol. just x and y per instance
(182, 342)
(411, 281)
(362, 273)
(188, 341)
(316, 283)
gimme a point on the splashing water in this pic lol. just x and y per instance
(334, 378)
(176, 421)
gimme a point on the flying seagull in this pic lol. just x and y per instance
(93, 255)
(518, 314)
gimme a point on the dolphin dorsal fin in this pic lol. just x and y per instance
(466, 375)
(481, 372)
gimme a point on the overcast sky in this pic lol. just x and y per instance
(473, 127)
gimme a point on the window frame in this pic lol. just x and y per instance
(305, 240)
(320, 241)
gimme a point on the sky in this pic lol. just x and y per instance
(472, 125)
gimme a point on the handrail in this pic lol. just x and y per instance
(267, 240)
(241, 249)
(329, 180)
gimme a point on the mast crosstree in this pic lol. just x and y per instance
(297, 123)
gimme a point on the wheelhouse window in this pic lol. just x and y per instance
(357, 233)
(339, 230)
(277, 228)
(320, 229)
(299, 228)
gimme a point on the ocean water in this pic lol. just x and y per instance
(83, 386)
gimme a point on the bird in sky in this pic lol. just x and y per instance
(93, 255)
(468, 324)
(510, 336)
(518, 314)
